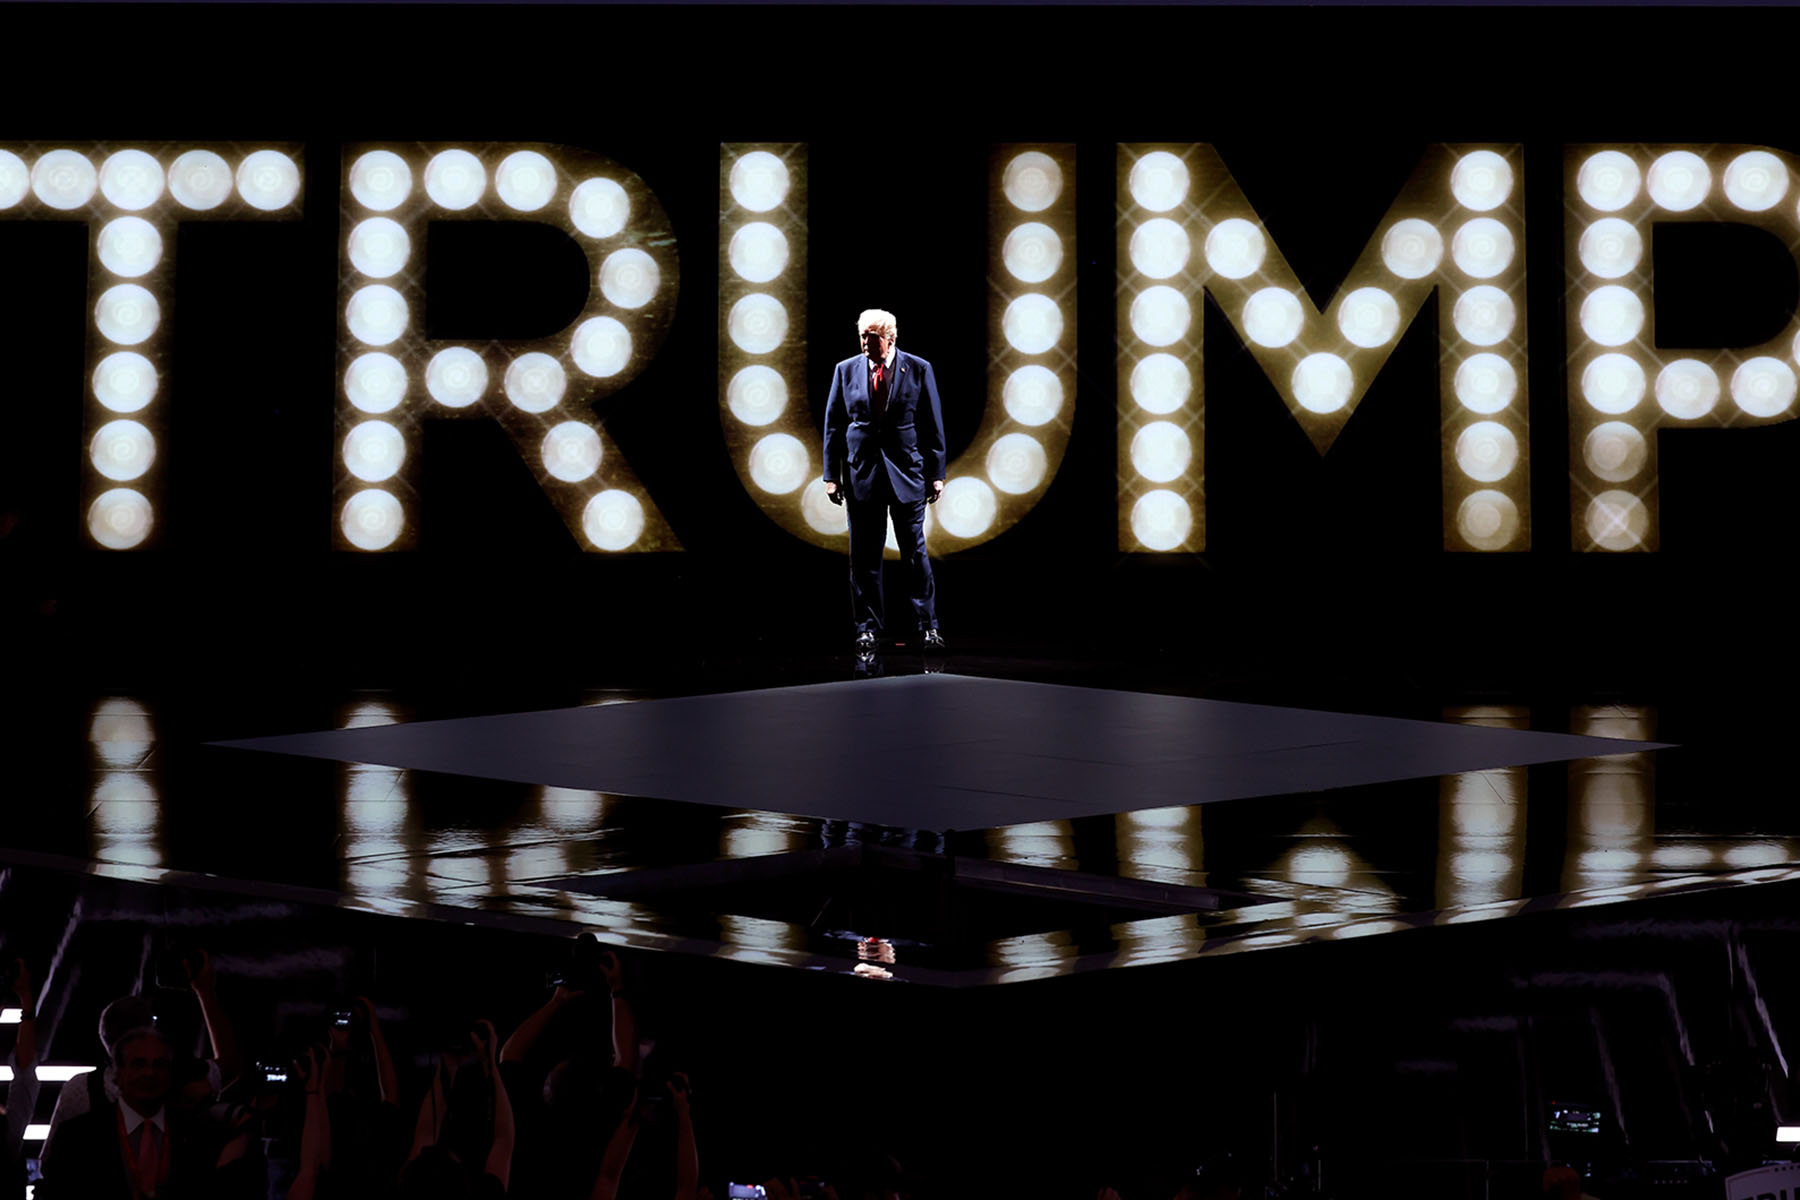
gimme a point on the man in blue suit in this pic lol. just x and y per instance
(884, 454)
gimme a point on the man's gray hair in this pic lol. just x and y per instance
(881, 319)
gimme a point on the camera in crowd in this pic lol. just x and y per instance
(580, 970)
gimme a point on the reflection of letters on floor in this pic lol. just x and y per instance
(1779, 1182)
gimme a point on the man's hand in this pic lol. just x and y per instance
(611, 971)
(832, 494)
(937, 489)
(199, 973)
(22, 986)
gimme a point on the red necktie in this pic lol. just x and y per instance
(878, 393)
(149, 1162)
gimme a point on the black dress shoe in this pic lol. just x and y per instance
(865, 642)
(931, 639)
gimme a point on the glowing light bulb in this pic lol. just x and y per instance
(1482, 248)
(613, 520)
(375, 382)
(525, 181)
(757, 323)
(127, 314)
(756, 395)
(571, 451)
(64, 179)
(1158, 181)
(15, 179)
(535, 382)
(1032, 323)
(759, 181)
(820, 513)
(1016, 463)
(374, 451)
(1481, 180)
(1763, 387)
(1322, 382)
(456, 377)
(122, 450)
(268, 180)
(1617, 520)
(1487, 451)
(200, 180)
(599, 208)
(1161, 520)
(1161, 451)
(372, 519)
(1369, 317)
(124, 382)
(967, 508)
(1614, 451)
(1031, 181)
(380, 180)
(1160, 316)
(629, 278)
(1487, 519)
(1484, 316)
(1613, 383)
(119, 519)
(379, 247)
(1412, 249)
(1159, 248)
(131, 179)
(455, 179)
(1273, 317)
(1486, 383)
(376, 315)
(129, 246)
(1755, 181)
(1611, 248)
(1235, 248)
(758, 252)
(779, 463)
(1608, 180)
(1679, 180)
(1687, 389)
(601, 347)
(1160, 383)
(1032, 395)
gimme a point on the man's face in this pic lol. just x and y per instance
(876, 344)
(144, 1066)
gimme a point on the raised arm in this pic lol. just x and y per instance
(624, 1024)
(21, 1097)
(526, 1036)
(218, 1030)
(687, 1158)
(500, 1147)
(386, 1079)
(432, 1110)
(618, 1149)
(315, 1132)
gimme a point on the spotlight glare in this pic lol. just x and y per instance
(571, 451)
(1322, 382)
(1608, 180)
(757, 394)
(1486, 383)
(1412, 249)
(376, 315)
(1484, 316)
(1032, 395)
(779, 463)
(1487, 519)
(1611, 248)
(15, 179)
(1617, 520)
(757, 323)
(456, 377)
(200, 180)
(601, 347)
(1161, 383)
(1755, 181)
(1679, 180)
(1159, 248)
(1236, 248)
(599, 208)
(455, 179)
(129, 246)
(119, 518)
(613, 520)
(525, 181)
(629, 278)
(1763, 387)
(375, 382)
(1161, 520)
(820, 513)
(1158, 181)
(1613, 384)
(127, 314)
(1687, 389)
(64, 179)
(1487, 451)
(268, 180)
(1160, 316)
(1161, 451)
(967, 508)
(122, 450)
(1032, 323)
(1016, 464)
(759, 181)
(1273, 317)
(1614, 451)
(1481, 180)
(758, 252)
(380, 180)
(124, 382)
(379, 247)
(1482, 247)
(1369, 317)
(535, 382)
(131, 179)
(372, 519)
(374, 451)
(1032, 181)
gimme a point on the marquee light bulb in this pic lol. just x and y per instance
(15, 179)
(1032, 395)
(1161, 451)
(1161, 383)
(1159, 248)
(1613, 384)
(602, 346)
(1484, 316)
(1481, 180)
(1487, 451)
(64, 179)
(455, 179)
(1016, 463)
(1160, 316)
(127, 314)
(779, 463)
(456, 377)
(379, 247)
(1158, 181)
(535, 382)
(375, 382)
(757, 323)
(1608, 180)
(1032, 252)
(629, 278)
(131, 179)
(1615, 451)
(129, 246)
(1617, 520)
(1486, 383)
(124, 382)
(759, 181)
(372, 519)
(380, 180)
(1032, 323)
(1611, 248)
(525, 181)
(1322, 382)
(1755, 181)
(1031, 181)
(376, 315)
(1482, 248)
(119, 518)
(200, 180)
(758, 252)
(820, 513)
(268, 180)
(967, 508)
(1161, 520)
(1235, 248)
(122, 450)
(599, 207)
(1763, 387)
(374, 451)
(1487, 519)
(1687, 389)
(757, 394)
(1412, 249)
(1369, 317)
(613, 520)
(1273, 317)
(571, 451)
(1679, 180)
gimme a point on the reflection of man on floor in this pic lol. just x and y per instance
(884, 454)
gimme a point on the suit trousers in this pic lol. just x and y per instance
(868, 536)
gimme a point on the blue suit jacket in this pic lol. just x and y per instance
(897, 457)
